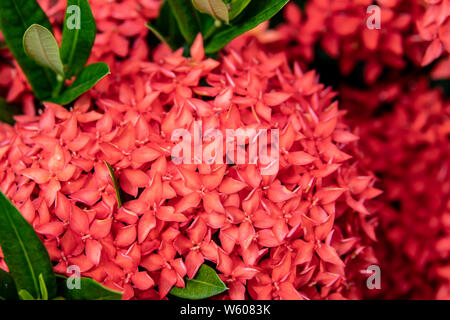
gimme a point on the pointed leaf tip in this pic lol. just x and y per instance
(89, 289)
(205, 284)
(115, 183)
(43, 287)
(24, 253)
(25, 295)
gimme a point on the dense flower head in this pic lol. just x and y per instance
(413, 31)
(407, 145)
(302, 232)
(402, 122)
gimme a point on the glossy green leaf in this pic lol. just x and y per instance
(24, 252)
(115, 183)
(87, 78)
(7, 111)
(41, 46)
(8, 289)
(25, 295)
(207, 25)
(236, 7)
(254, 14)
(204, 285)
(89, 290)
(78, 36)
(215, 8)
(186, 18)
(165, 28)
(15, 18)
(157, 33)
(43, 288)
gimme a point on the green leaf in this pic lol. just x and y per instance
(254, 14)
(41, 46)
(25, 295)
(158, 34)
(89, 290)
(207, 25)
(24, 252)
(78, 36)
(87, 78)
(15, 18)
(204, 285)
(115, 183)
(7, 111)
(236, 7)
(8, 289)
(186, 18)
(215, 8)
(165, 28)
(43, 287)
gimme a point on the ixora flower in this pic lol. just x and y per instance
(304, 231)
(412, 157)
(406, 31)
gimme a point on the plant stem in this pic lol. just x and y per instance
(58, 87)
(217, 24)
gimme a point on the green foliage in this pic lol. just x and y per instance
(28, 35)
(236, 7)
(16, 16)
(25, 295)
(24, 252)
(77, 43)
(215, 8)
(186, 17)
(41, 46)
(115, 183)
(204, 285)
(86, 79)
(8, 289)
(254, 14)
(31, 274)
(218, 21)
(7, 111)
(89, 290)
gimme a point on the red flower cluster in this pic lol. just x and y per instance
(408, 148)
(403, 124)
(408, 30)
